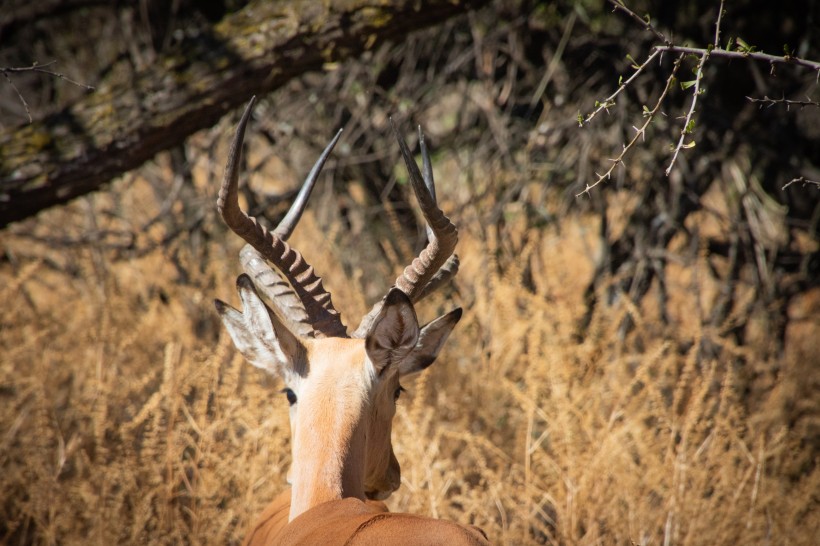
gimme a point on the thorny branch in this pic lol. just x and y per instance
(610, 100)
(645, 21)
(639, 132)
(717, 23)
(768, 102)
(744, 52)
(688, 123)
(747, 55)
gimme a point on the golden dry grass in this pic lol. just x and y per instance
(127, 416)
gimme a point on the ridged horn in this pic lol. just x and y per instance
(266, 279)
(435, 264)
(317, 303)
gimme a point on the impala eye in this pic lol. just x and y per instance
(290, 394)
(398, 392)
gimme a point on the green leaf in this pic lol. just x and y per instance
(743, 47)
(687, 85)
(688, 145)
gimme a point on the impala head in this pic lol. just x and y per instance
(342, 389)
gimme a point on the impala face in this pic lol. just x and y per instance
(342, 388)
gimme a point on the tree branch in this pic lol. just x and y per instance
(747, 55)
(768, 102)
(252, 51)
(610, 100)
(688, 122)
(639, 131)
(618, 5)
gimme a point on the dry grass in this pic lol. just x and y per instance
(127, 417)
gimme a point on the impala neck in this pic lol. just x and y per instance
(329, 445)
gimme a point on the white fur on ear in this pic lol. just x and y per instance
(431, 340)
(256, 332)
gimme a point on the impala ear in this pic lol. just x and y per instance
(393, 333)
(259, 335)
(431, 340)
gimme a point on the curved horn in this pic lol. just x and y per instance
(450, 267)
(445, 235)
(285, 227)
(268, 280)
(305, 283)
(427, 174)
(436, 264)
(442, 277)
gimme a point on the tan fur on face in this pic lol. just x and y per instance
(344, 421)
(383, 473)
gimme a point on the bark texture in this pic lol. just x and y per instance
(250, 52)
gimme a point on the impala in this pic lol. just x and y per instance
(342, 388)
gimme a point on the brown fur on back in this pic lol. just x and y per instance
(351, 522)
(275, 517)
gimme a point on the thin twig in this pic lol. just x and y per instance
(610, 100)
(687, 128)
(34, 65)
(41, 68)
(6, 71)
(717, 24)
(639, 132)
(19, 94)
(801, 180)
(766, 101)
(553, 64)
(763, 57)
(646, 22)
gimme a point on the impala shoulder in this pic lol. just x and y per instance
(414, 530)
(332, 523)
(270, 523)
